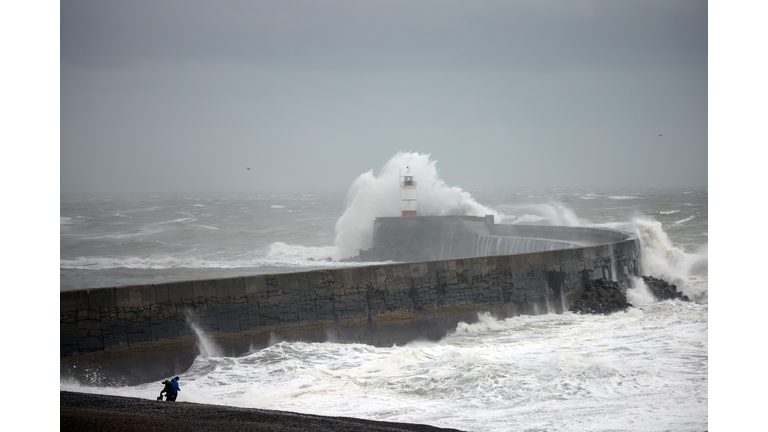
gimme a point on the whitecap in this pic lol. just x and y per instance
(555, 213)
(63, 220)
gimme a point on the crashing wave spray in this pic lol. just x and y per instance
(662, 259)
(208, 347)
(639, 295)
(379, 196)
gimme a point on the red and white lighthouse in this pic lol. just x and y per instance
(408, 194)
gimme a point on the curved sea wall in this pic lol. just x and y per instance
(429, 238)
(141, 333)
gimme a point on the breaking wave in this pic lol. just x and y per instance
(661, 258)
(373, 196)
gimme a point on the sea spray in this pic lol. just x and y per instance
(661, 258)
(379, 196)
(639, 295)
(207, 347)
(273, 339)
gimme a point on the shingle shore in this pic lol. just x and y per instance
(91, 412)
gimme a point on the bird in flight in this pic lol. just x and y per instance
(659, 135)
(249, 168)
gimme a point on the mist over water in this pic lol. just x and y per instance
(644, 370)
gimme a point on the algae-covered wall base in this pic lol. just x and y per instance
(143, 333)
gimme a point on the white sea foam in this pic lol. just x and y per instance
(189, 218)
(685, 220)
(283, 251)
(669, 212)
(549, 372)
(205, 227)
(275, 206)
(623, 197)
(374, 196)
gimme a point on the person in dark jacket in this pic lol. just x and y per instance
(168, 390)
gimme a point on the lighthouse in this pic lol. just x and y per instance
(408, 194)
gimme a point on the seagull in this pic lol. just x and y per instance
(659, 135)
(249, 168)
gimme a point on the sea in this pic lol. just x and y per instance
(645, 369)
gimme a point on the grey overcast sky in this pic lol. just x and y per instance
(182, 95)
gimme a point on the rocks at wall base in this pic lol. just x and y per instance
(662, 290)
(601, 297)
(605, 297)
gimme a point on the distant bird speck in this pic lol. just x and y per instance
(659, 135)
(249, 168)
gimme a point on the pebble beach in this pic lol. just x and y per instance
(84, 411)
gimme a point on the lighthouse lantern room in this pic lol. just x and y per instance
(408, 194)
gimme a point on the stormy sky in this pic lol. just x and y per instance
(183, 95)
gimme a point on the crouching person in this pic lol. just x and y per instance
(171, 390)
(168, 390)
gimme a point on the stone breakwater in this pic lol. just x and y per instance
(138, 334)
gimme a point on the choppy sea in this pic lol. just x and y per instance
(644, 370)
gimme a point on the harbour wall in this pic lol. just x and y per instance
(136, 334)
(447, 237)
